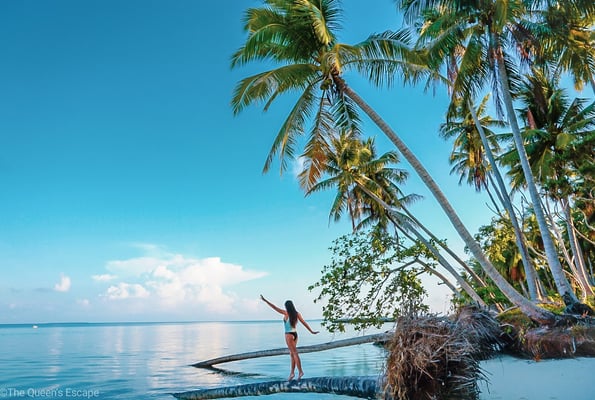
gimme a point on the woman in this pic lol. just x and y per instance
(290, 319)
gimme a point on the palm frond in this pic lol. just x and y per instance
(387, 56)
(267, 85)
(323, 16)
(317, 149)
(294, 126)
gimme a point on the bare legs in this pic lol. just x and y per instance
(295, 358)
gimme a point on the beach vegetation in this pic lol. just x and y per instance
(276, 33)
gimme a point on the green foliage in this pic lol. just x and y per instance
(517, 319)
(371, 279)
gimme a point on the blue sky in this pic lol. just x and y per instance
(130, 192)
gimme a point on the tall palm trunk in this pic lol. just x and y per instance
(406, 225)
(462, 282)
(491, 196)
(443, 278)
(448, 250)
(538, 283)
(556, 269)
(579, 261)
(530, 271)
(527, 307)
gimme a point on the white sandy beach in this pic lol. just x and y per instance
(515, 379)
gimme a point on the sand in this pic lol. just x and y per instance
(516, 379)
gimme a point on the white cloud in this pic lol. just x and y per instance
(104, 277)
(134, 266)
(298, 166)
(63, 285)
(176, 282)
(127, 291)
(83, 302)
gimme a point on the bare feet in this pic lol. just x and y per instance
(291, 376)
(300, 375)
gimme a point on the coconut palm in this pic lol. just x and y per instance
(486, 29)
(368, 189)
(554, 126)
(473, 154)
(299, 36)
(564, 36)
(468, 155)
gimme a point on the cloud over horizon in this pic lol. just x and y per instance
(176, 282)
(63, 285)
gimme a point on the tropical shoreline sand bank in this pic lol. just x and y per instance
(518, 379)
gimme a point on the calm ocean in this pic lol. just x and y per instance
(132, 361)
(149, 361)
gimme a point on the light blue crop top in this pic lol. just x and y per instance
(288, 327)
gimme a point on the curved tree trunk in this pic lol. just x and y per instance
(530, 271)
(365, 387)
(378, 337)
(525, 305)
(405, 224)
(562, 283)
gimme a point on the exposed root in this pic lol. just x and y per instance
(438, 358)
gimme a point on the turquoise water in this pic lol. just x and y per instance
(131, 361)
(150, 361)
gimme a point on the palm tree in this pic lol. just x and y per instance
(468, 155)
(299, 35)
(473, 150)
(485, 29)
(553, 128)
(564, 36)
(368, 188)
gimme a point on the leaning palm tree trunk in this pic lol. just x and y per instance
(406, 225)
(579, 260)
(466, 287)
(527, 307)
(366, 387)
(556, 269)
(530, 271)
(378, 337)
(448, 250)
(443, 278)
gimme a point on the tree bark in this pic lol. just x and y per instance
(530, 271)
(562, 283)
(526, 306)
(579, 260)
(378, 337)
(365, 387)
(443, 278)
(469, 270)
(410, 228)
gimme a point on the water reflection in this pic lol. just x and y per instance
(133, 361)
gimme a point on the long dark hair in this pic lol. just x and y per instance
(292, 312)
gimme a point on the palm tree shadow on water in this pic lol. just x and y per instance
(228, 372)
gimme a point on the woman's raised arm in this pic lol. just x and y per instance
(274, 307)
